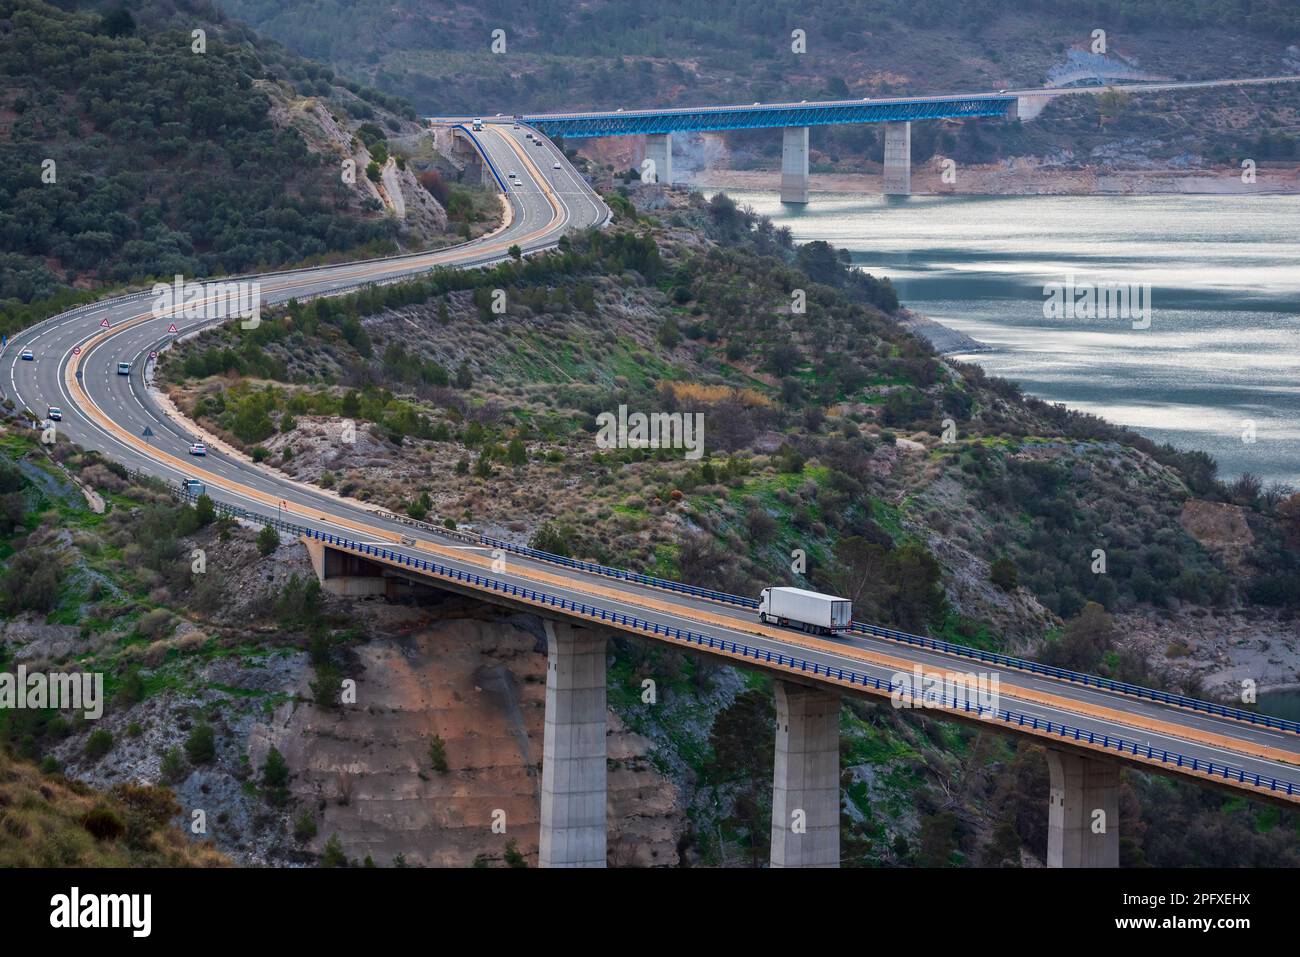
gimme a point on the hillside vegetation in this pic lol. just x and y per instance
(824, 435)
(129, 155)
(52, 821)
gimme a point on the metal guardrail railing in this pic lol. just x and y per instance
(933, 644)
(484, 153)
(765, 656)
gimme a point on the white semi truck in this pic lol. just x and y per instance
(807, 610)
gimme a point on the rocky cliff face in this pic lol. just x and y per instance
(479, 683)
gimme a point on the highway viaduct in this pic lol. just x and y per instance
(582, 605)
(794, 119)
(1091, 726)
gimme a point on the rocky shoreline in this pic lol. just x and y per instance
(945, 340)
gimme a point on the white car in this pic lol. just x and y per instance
(27, 354)
(54, 413)
(198, 448)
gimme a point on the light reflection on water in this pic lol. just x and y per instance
(1224, 342)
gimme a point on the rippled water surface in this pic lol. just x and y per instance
(1223, 348)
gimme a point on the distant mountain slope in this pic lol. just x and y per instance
(130, 154)
(604, 53)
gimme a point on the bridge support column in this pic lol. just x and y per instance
(898, 159)
(573, 749)
(806, 782)
(794, 165)
(659, 150)
(1083, 811)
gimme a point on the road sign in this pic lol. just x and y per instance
(172, 328)
(153, 355)
(104, 323)
(76, 350)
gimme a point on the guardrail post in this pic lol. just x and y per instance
(573, 749)
(1083, 811)
(806, 778)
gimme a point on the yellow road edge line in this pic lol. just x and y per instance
(184, 466)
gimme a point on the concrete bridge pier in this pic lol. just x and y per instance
(1083, 811)
(659, 150)
(344, 573)
(794, 165)
(806, 780)
(573, 749)
(898, 159)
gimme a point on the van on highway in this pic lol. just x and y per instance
(124, 368)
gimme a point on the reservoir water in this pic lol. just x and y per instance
(1219, 367)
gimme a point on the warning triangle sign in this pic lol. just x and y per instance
(172, 328)
(104, 322)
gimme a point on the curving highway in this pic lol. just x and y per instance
(75, 368)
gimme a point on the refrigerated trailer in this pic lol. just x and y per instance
(808, 610)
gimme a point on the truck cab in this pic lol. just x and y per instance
(477, 125)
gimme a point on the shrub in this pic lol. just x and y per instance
(173, 765)
(268, 540)
(304, 829)
(760, 525)
(99, 743)
(200, 746)
(104, 824)
(207, 511)
(438, 754)
(1003, 574)
(275, 772)
(333, 855)
(513, 857)
(155, 624)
